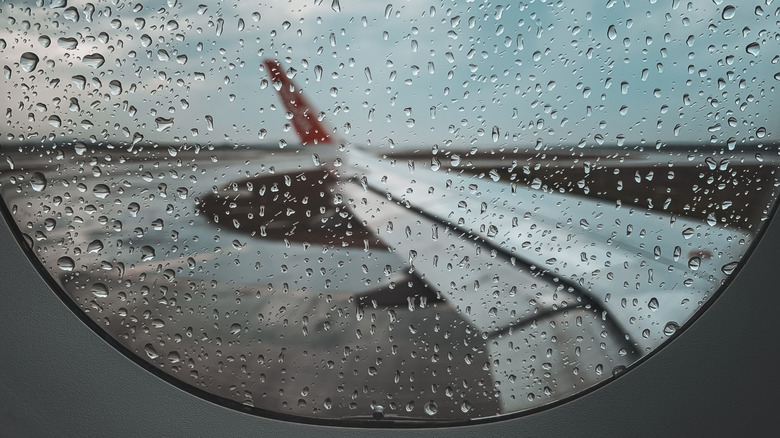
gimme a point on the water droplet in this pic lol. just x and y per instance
(66, 263)
(336, 6)
(431, 408)
(753, 49)
(150, 351)
(38, 181)
(99, 290)
(101, 191)
(28, 61)
(95, 246)
(653, 304)
(611, 32)
(71, 14)
(147, 253)
(670, 328)
(115, 87)
(174, 357)
(161, 123)
(94, 60)
(728, 12)
(80, 148)
(729, 268)
(694, 263)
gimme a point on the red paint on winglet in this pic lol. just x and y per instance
(304, 118)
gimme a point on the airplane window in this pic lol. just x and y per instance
(388, 212)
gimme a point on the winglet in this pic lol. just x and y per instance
(310, 130)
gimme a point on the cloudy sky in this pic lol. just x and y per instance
(409, 74)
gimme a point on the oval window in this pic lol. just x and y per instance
(398, 213)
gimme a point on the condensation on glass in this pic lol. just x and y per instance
(389, 211)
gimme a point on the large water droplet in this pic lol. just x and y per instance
(147, 253)
(94, 60)
(729, 268)
(728, 12)
(71, 14)
(612, 32)
(753, 49)
(95, 246)
(28, 61)
(38, 181)
(150, 351)
(66, 263)
(101, 191)
(670, 328)
(161, 123)
(99, 290)
(115, 87)
(67, 43)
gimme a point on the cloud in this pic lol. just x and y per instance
(412, 74)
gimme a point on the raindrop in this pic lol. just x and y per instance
(611, 32)
(101, 191)
(28, 61)
(94, 60)
(728, 12)
(67, 43)
(653, 304)
(80, 81)
(95, 246)
(670, 328)
(38, 181)
(150, 351)
(71, 14)
(115, 87)
(80, 148)
(753, 49)
(147, 253)
(66, 263)
(729, 268)
(161, 123)
(99, 290)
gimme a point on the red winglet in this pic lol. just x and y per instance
(304, 118)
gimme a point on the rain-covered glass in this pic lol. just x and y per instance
(373, 212)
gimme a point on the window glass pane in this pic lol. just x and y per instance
(373, 211)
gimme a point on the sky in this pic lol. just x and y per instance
(400, 75)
